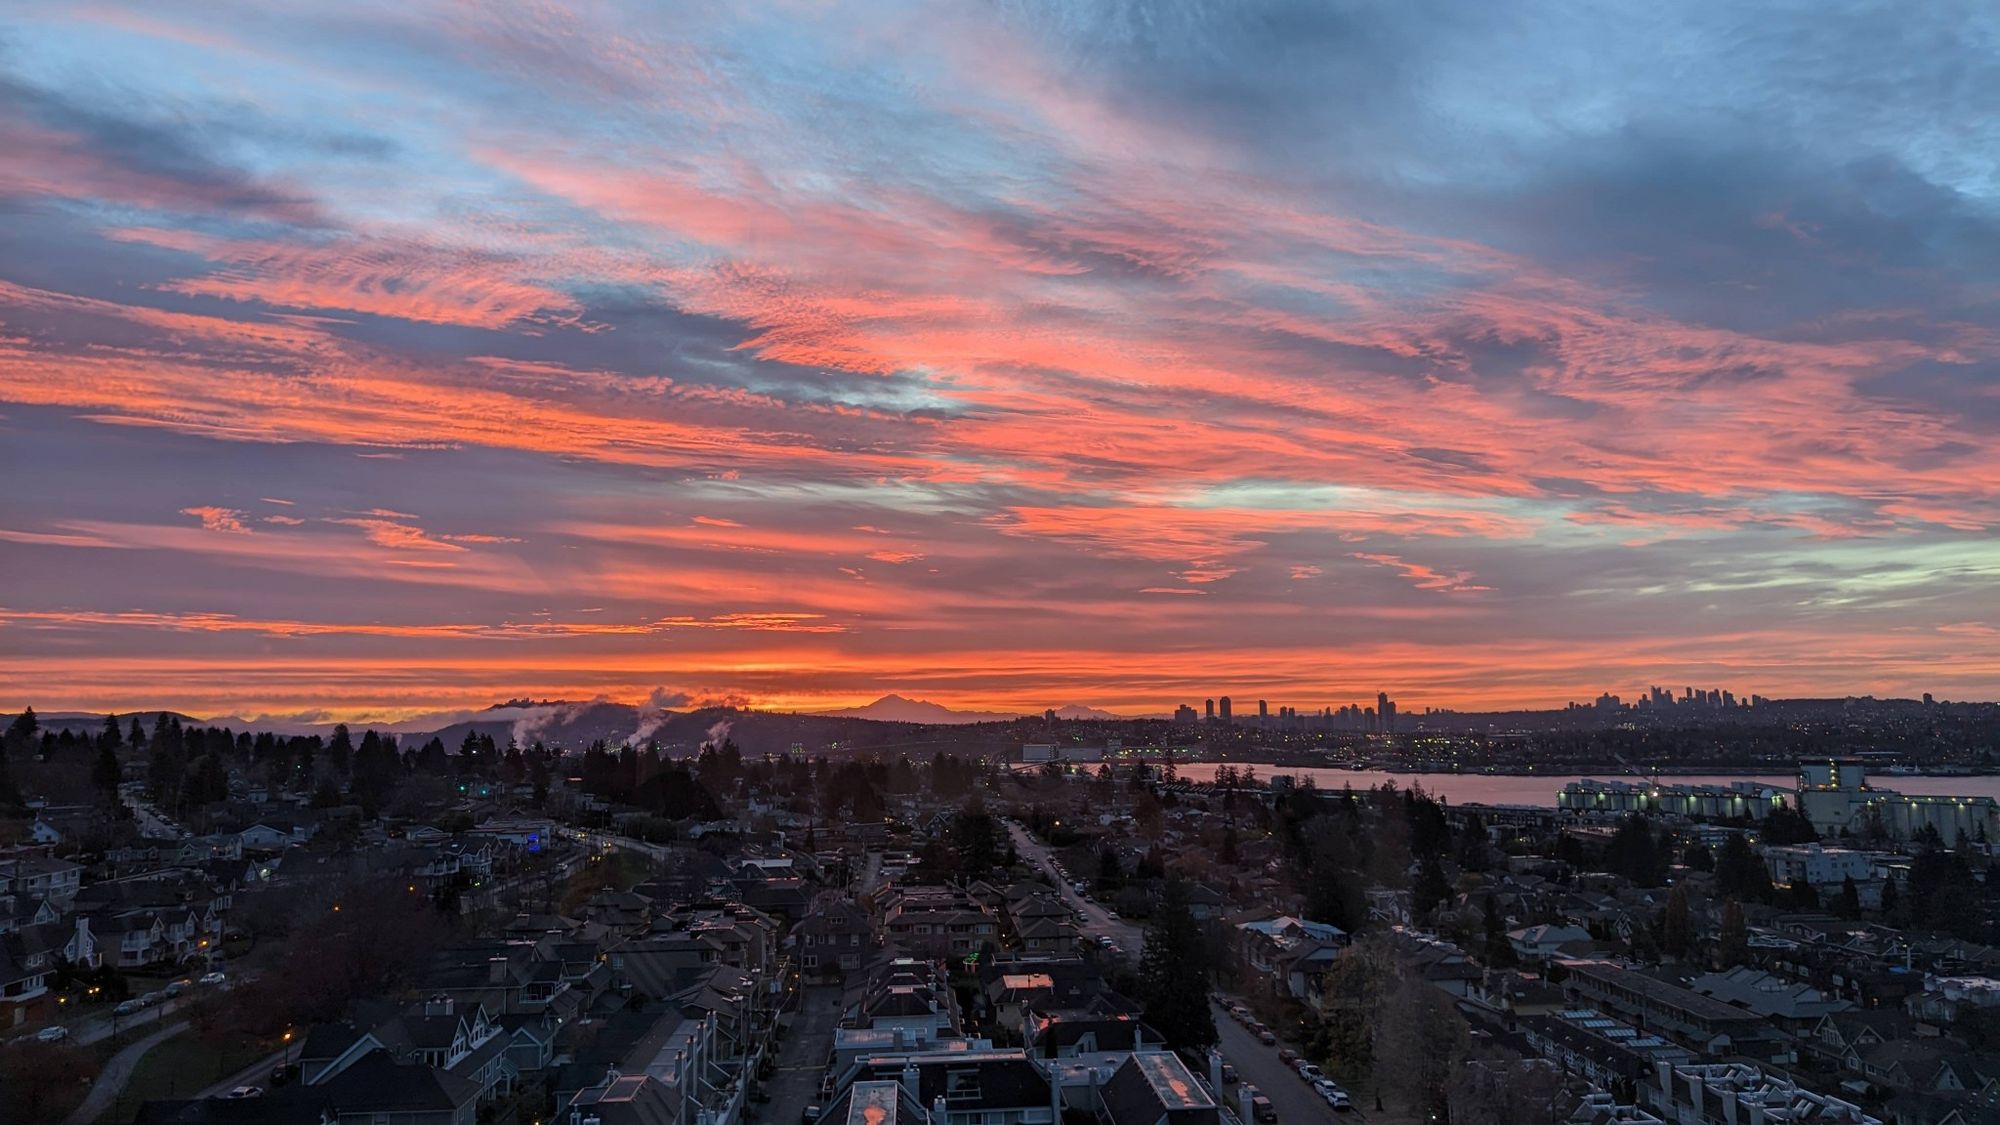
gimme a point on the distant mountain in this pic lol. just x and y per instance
(568, 725)
(1079, 711)
(896, 709)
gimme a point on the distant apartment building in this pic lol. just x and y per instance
(1817, 865)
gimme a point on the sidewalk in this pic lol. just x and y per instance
(116, 1073)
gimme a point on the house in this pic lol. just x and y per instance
(40, 877)
(1540, 943)
(990, 1087)
(375, 1088)
(462, 1046)
(1156, 1088)
(876, 1102)
(1706, 1024)
(1047, 936)
(1701, 1093)
(261, 837)
(25, 966)
(1792, 1005)
(666, 1077)
(1841, 1039)
(835, 939)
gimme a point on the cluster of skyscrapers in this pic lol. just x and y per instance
(1659, 698)
(1352, 717)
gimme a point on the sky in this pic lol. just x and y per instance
(366, 358)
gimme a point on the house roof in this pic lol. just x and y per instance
(1155, 1086)
(377, 1083)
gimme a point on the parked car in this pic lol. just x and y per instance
(150, 999)
(1311, 1073)
(54, 1033)
(175, 989)
(1266, 1037)
(212, 978)
(1336, 1098)
(1262, 1109)
(811, 1115)
(1229, 1077)
(127, 1007)
(1288, 1056)
(245, 1092)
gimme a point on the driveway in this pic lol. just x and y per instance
(802, 1059)
(116, 1073)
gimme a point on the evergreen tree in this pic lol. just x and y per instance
(1677, 926)
(1174, 975)
(1848, 905)
(23, 733)
(1740, 873)
(106, 773)
(340, 752)
(1733, 948)
(377, 769)
(136, 736)
(111, 737)
(1430, 890)
(1499, 950)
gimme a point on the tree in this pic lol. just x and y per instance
(340, 751)
(1733, 948)
(1848, 905)
(1174, 975)
(23, 732)
(1677, 927)
(111, 737)
(1499, 951)
(1634, 852)
(1786, 825)
(106, 773)
(1423, 1043)
(1430, 889)
(1524, 1092)
(1740, 873)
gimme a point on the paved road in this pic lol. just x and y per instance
(256, 1074)
(1096, 921)
(116, 1073)
(103, 1025)
(1258, 1065)
(794, 1085)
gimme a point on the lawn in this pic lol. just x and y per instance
(183, 1066)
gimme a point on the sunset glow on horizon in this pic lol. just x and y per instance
(367, 360)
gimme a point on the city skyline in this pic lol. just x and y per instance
(393, 358)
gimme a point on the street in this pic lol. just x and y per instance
(1096, 922)
(1258, 1065)
(802, 1060)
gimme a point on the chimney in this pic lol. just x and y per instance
(937, 1110)
(496, 970)
(910, 1081)
(1215, 1071)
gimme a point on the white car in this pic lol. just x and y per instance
(245, 1092)
(211, 978)
(54, 1034)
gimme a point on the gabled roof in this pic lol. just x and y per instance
(1154, 1087)
(376, 1083)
